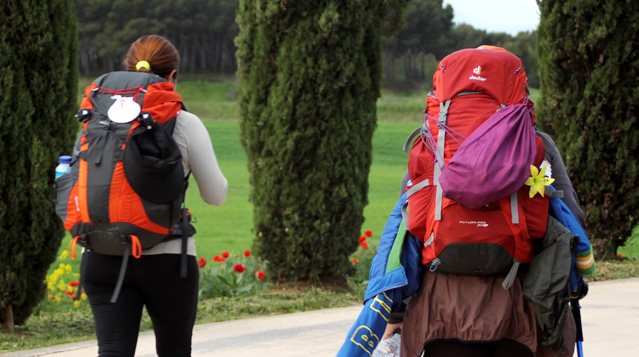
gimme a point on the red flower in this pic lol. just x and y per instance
(217, 258)
(619, 255)
(225, 254)
(368, 233)
(202, 263)
(355, 261)
(364, 245)
(362, 238)
(260, 275)
(70, 293)
(74, 283)
(239, 268)
(247, 253)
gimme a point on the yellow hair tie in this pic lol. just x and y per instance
(143, 64)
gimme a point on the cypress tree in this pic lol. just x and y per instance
(589, 72)
(310, 73)
(39, 82)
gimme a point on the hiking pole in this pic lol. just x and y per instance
(576, 314)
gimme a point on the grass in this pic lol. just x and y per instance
(229, 227)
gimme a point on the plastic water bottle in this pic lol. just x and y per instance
(389, 347)
(64, 167)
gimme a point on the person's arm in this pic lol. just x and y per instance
(562, 180)
(199, 157)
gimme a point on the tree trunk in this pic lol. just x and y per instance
(8, 318)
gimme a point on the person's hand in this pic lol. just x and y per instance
(582, 289)
(391, 329)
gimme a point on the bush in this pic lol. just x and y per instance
(231, 275)
(61, 289)
(362, 259)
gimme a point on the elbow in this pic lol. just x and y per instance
(218, 196)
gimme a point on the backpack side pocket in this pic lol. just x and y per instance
(63, 186)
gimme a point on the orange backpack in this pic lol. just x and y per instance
(126, 188)
(469, 87)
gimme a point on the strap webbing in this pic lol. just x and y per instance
(118, 284)
(510, 278)
(405, 214)
(553, 194)
(514, 211)
(412, 137)
(416, 187)
(441, 140)
(185, 239)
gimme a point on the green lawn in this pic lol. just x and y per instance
(229, 227)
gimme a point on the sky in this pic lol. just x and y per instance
(510, 16)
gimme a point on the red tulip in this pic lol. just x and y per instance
(239, 268)
(202, 263)
(74, 283)
(260, 275)
(619, 255)
(355, 261)
(362, 238)
(364, 245)
(247, 253)
(368, 233)
(70, 293)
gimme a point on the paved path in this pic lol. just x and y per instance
(610, 316)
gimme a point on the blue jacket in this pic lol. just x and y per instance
(395, 274)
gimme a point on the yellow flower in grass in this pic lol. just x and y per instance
(538, 181)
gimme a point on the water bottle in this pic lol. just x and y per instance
(389, 347)
(64, 167)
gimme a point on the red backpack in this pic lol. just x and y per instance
(469, 87)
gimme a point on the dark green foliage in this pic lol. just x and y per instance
(310, 73)
(410, 55)
(39, 81)
(589, 69)
(522, 45)
(201, 30)
(428, 34)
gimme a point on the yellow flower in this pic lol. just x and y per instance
(68, 268)
(83, 296)
(64, 255)
(538, 181)
(76, 304)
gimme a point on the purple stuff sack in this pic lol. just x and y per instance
(494, 161)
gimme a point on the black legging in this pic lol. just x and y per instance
(152, 281)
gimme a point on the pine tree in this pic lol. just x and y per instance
(310, 73)
(589, 72)
(39, 84)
